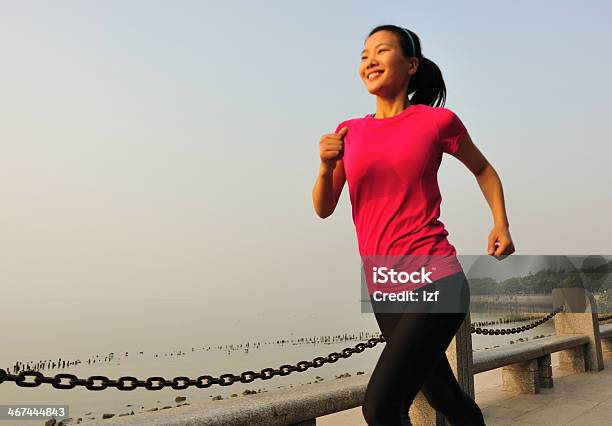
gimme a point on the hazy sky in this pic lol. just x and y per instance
(158, 149)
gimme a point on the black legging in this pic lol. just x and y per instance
(413, 359)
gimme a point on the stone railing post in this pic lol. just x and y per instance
(606, 346)
(460, 358)
(528, 376)
(579, 317)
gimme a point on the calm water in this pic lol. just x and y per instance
(174, 338)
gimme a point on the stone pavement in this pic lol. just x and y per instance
(576, 399)
(581, 399)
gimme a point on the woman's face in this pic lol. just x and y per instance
(383, 53)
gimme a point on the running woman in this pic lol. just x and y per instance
(390, 160)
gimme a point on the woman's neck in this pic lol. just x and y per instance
(389, 108)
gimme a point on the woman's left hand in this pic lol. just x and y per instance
(500, 242)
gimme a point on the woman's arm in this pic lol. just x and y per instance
(327, 188)
(491, 187)
(331, 178)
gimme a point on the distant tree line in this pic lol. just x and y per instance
(596, 279)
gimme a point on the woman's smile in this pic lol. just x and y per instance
(374, 75)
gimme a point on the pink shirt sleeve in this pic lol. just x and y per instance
(451, 130)
(340, 126)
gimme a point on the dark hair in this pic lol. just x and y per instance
(427, 84)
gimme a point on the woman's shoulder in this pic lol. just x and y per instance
(442, 116)
(349, 122)
(438, 111)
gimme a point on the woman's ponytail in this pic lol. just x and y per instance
(427, 84)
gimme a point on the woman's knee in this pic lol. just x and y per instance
(379, 412)
(372, 411)
(470, 414)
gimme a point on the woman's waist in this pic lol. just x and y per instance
(423, 243)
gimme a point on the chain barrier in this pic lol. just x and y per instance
(503, 320)
(181, 382)
(202, 382)
(604, 318)
(499, 331)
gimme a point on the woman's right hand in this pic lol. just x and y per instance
(331, 148)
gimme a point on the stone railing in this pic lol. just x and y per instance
(580, 342)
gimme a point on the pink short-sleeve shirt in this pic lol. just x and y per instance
(391, 167)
